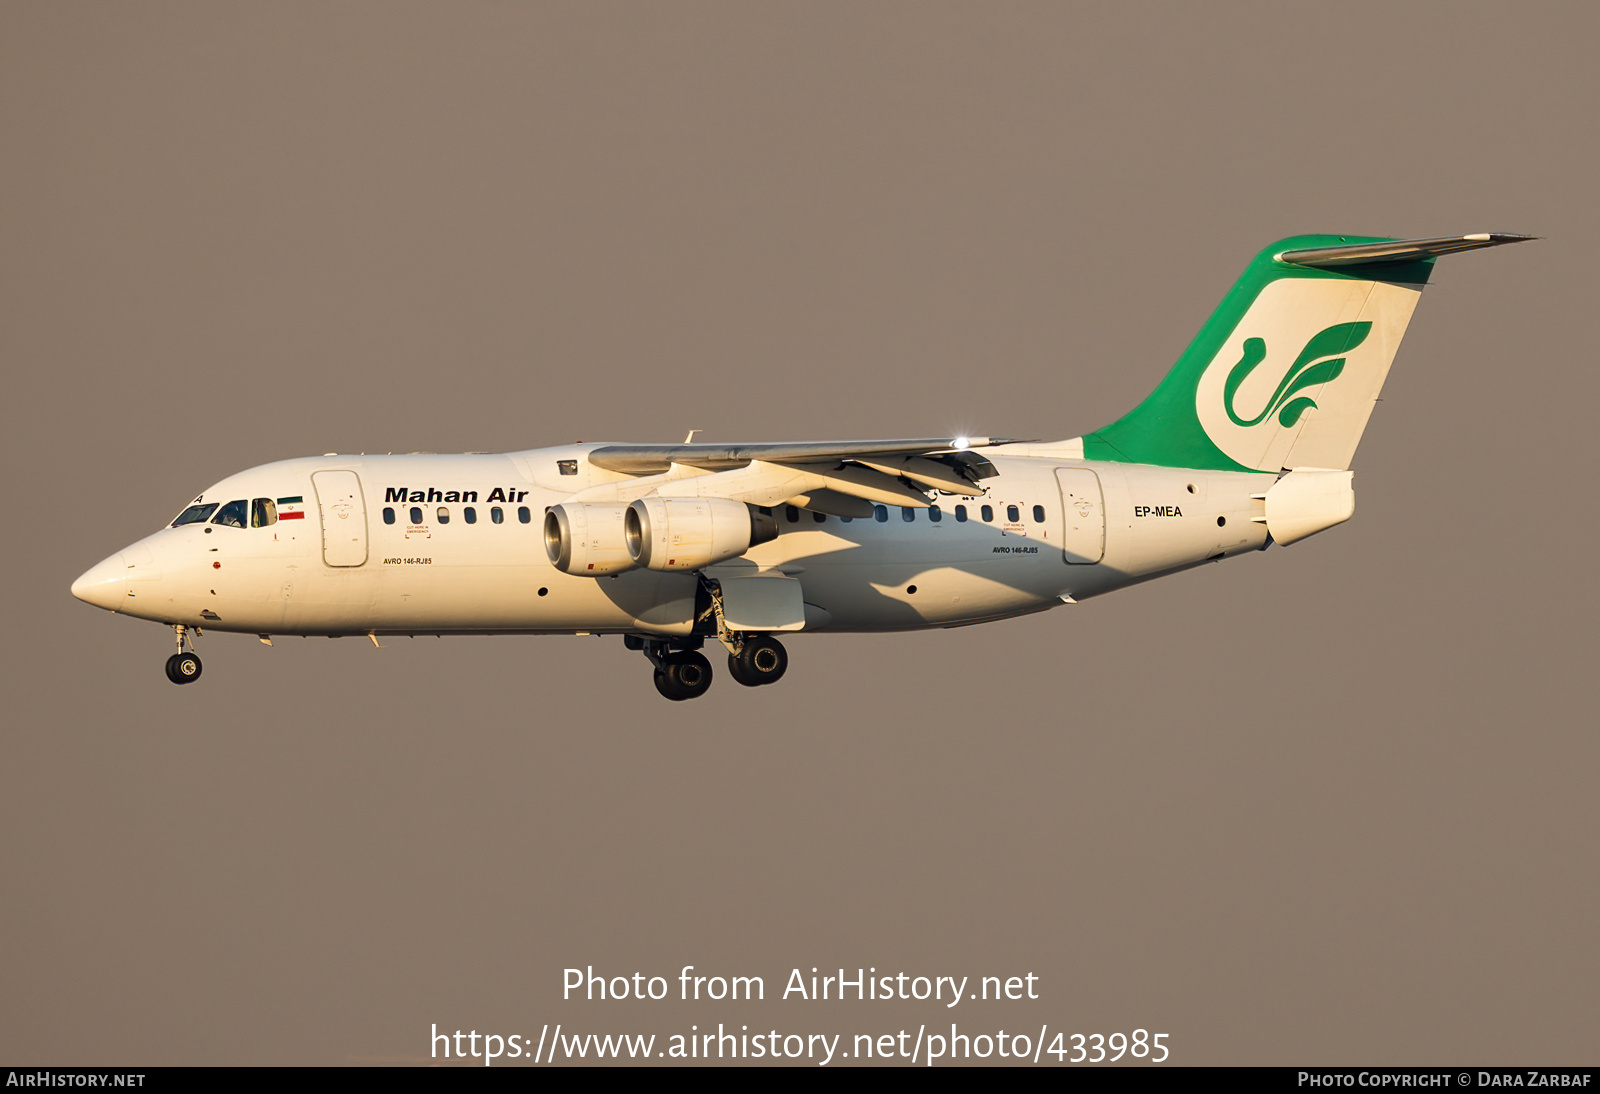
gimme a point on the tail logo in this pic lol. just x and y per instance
(1320, 362)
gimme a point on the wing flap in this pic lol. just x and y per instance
(930, 473)
(639, 459)
(758, 483)
(833, 503)
(863, 482)
(762, 483)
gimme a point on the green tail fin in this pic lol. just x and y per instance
(1287, 369)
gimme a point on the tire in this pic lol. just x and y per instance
(762, 660)
(736, 670)
(665, 686)
(183, 668)
(684, 675)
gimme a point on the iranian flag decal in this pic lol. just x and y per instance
(292, 508)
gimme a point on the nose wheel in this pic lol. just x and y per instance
(184, 666)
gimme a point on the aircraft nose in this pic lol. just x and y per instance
(104, 585)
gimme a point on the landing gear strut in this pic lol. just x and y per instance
(682, 671)
(184, 666)
(753, 659)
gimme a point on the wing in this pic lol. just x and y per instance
(842, 478)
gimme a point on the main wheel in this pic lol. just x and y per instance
(683, 675)
(761, 660)
(183, 668)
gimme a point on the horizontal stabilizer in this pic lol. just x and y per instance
(1399, 250)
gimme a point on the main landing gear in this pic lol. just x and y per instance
(684, 673)
(681, 673)
(184, 666)
(759, 659)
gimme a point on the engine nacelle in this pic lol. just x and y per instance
(675, 534)
(586, 540)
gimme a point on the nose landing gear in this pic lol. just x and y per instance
(184, 666)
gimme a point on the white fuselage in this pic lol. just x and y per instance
(398, 554)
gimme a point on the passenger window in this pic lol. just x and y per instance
(907, 514)
(880, 514)
(444, 515)
(195, 514)
(470, 515)
(961, 514)
(988, 513)
(846, 520)
(263, 512)
(497, 515)
(1012, 515)
(1038, 514)
(233, 515)
(791, 514)
(523, 515)
(935, 515)
(388, 515)
(416, 514)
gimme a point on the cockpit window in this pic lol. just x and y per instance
(263, 512)
(195, 514)
(233, 514)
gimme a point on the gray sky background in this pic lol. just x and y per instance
(1330, 804)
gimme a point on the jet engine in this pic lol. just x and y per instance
(586, 540)
(675, 534)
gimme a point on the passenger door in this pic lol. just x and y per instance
(1084, 516)
(344, 517)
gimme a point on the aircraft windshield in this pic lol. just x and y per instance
(234, 514)
(195, 514)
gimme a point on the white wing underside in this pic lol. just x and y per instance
(838, 478)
